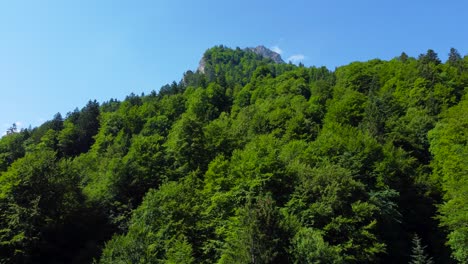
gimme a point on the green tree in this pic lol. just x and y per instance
(249, 161)
(163, 229)
(308, 246)
(454, 58)
(186, 144)
(419, 255)
(255, 234)
(39, 199)
(12, 148)
(449, 146)
(79, 130)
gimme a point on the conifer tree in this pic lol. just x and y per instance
(418, 254)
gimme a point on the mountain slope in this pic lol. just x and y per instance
(247, 161)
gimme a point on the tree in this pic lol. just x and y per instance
(430, 57)
(12, 147)
(57, 122)
(403, 57)
(79, 130)
(308, 246)
(186, 144)
(249, 161)
(13, 129)
(454, 58)
(330, 199)
(163, 229)
(418, 254)
(448, 145)
(255, 235)
(39, 199)
(68, 139)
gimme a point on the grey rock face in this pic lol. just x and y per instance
(260, 50)
(266, 53)
(201, 65)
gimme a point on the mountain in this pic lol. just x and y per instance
(266, 53)
(259, 50)
(250, 161)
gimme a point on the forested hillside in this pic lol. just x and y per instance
(250, 161)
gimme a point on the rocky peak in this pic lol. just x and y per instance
(260, 50)
(266, 53)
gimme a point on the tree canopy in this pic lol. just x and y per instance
(250, 161)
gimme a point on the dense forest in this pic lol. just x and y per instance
(250, 161)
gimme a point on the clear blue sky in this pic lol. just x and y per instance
(55, 55)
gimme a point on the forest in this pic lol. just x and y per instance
(250, 161)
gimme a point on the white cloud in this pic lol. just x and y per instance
(296, 58)
(276, 49)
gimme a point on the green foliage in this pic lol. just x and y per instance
(450, 149)
(309, 247)
(329, 199)
(11, 148)
(254, 234)
(159, 227)
(348, 109)
(40, 200)
(79, 130)
(249, 161)
(418, 255)
(186, 144)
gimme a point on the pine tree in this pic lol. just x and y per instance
(454, 58)
(419, 255)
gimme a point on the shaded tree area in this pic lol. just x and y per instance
(249, 161)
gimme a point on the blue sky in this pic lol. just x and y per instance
(55, 55)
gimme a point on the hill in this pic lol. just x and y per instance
(250, 160)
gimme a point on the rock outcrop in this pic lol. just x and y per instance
(260, 50)
(266, 53)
